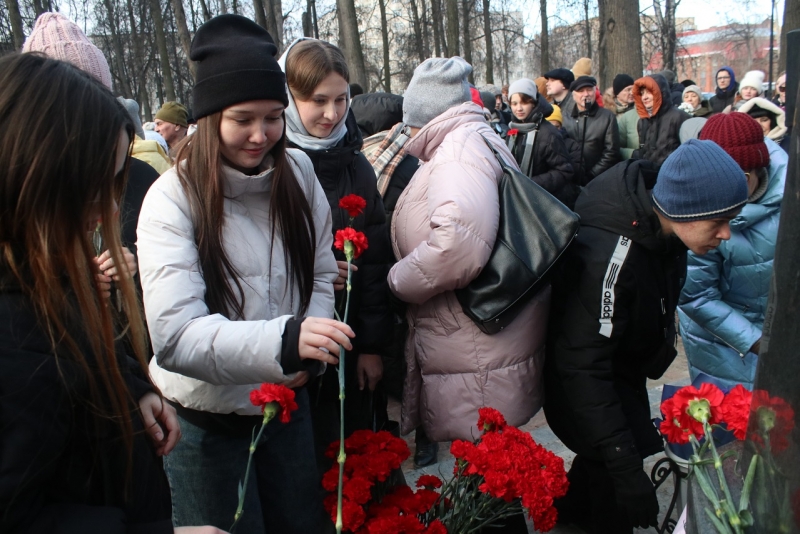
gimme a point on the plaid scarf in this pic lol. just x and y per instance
(385, 151)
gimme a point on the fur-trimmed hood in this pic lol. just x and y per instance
(777, 133)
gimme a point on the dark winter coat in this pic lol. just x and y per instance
(574, 153)
(550, 166)
(597, 132)
(566, 105)
(724, 97)
(675, 92)
(140, 177)
(61, 469)
(343, 170)
(612, 323)
(659, 132)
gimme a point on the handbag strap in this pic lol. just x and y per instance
(500, 160)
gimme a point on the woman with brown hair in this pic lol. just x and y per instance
(237, 272)
(319, 122)
(82, 427)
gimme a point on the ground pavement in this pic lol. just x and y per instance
(677, 374)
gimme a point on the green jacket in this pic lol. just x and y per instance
(628, 133)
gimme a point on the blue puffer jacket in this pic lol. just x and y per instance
(723, 302)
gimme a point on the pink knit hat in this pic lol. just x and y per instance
(57, 37)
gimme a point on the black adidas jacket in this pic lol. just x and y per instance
(612, 323)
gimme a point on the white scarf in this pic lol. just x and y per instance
(295, 131)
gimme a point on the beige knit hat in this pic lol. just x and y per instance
(582, 67)
(57, 37)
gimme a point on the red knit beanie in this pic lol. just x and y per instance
(740, 136)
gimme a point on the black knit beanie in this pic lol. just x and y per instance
(621, 81)
(235, 60)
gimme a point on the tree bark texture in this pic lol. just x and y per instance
(588, 29)
(15, 17)
(119, 55)
(466, 35)
(183, 34)
(487, 32)
(274, 12)
(417, 29)
(452, 28)
(387, 66)
(623, 37)
(163, 53)
(544, 42)
(350, 41)
(438, 35)
(258, 9)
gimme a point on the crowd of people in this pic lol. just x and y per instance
(153, 274)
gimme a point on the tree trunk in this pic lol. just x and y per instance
(223, 7)
(258, 9)
(417, 29)
(139, 78)
(350, 41)
(452, 28)
(622, 41)
(426, 38)
(387, 67)
(15, 17)
(544, 42)
(671, 37)
(487, 33)
(274, 12)
(588, 28)
(161, 43)
(206, 12)
(466, 35)
(183, 34)
(791, 21)
(119, 53)
(437, 33)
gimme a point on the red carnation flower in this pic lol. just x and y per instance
(735, 410)
(490, 419)
(513, 131)
(684, 412)
(358, 240)
(354, 205)
(436, 527)
(429, 481)
(269, 393)
(775, 418)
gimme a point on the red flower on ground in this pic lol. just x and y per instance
(735, 410)
(269, 393)
(358, 239)
(429, 481)
(513, 131)
(354, 205)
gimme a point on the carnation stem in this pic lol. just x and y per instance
(268, 415)
(341, 457)
(733, 516)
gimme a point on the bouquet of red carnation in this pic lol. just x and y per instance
(692, 415)
(498, 476)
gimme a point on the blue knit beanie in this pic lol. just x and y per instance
(699, 181)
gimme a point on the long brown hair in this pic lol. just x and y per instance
(199, 167)
(311, 61)
(58, 152)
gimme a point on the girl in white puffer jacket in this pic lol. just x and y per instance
(237, 272)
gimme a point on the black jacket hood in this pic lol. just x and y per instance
(619, 201)
(377, 112)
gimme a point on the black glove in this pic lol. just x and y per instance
(634, 493)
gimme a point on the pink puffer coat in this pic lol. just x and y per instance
(443, 231)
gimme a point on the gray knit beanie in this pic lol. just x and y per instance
(438, 84)
(132, 107)
(699, 181)
(694, 89)
(525, 86)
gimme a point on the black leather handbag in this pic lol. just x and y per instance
(535, 230)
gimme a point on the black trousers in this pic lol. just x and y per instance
(590, 502)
